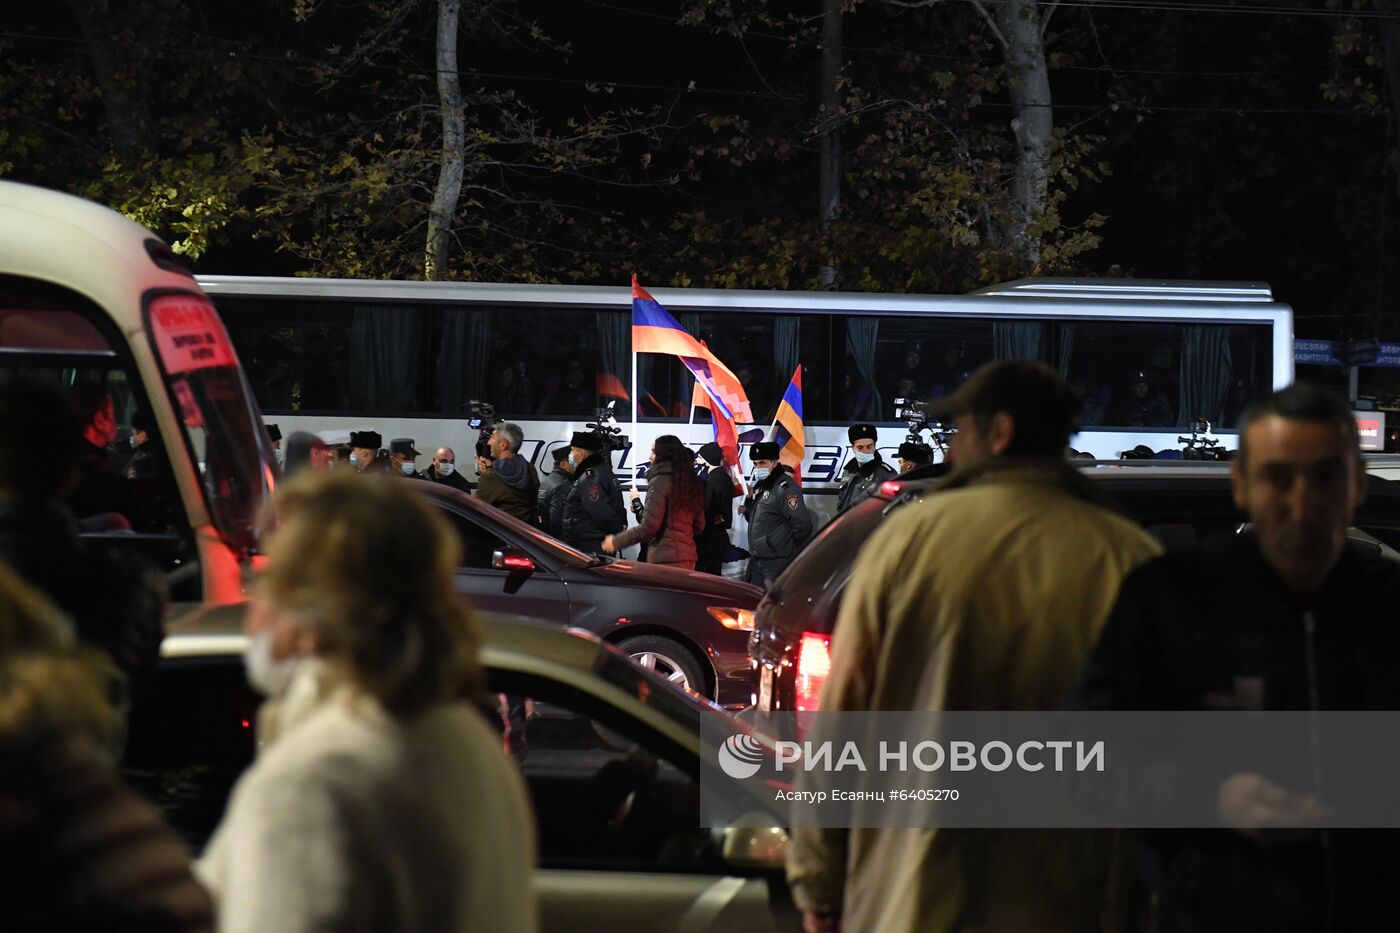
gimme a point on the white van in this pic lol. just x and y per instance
(87, 296)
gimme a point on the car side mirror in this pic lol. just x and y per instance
(761, 848)
(512, 559)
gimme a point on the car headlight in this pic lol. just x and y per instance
(733, 617)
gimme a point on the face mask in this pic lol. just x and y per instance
(268, 675)
(861, 458)
(354, 461)
(407, 469)
(445, 468)
(573, 462)
(133, 442)
(761, 473)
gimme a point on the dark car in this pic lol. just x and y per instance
(691, 628)
(790, 649)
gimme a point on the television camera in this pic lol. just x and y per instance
(913, 413)
(605, 426)
(482, 416)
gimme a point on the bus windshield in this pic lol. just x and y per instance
(221, 422)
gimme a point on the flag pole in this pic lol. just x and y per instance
(690, 424)
(634, 419)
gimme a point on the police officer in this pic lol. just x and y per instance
(593, 507)
(865, 471)
(913, 454)
(779, 523)
(553, 490)
(364, 452)
(402, 458)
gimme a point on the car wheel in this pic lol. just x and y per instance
(668, 658)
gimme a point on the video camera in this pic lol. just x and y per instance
(1200, 446)
(482, 416)
(605, 426)
(913, 413)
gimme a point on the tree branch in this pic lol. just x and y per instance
(991, 22)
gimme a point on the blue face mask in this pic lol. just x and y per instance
(760, 474)
(573, 459)
(861, 458)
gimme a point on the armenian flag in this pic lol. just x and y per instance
(655, 331)
(788, 432)
(726, 435)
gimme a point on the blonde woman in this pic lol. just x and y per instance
(81, 850)
(381, 798)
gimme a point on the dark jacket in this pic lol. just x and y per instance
(859, 481)
(455, 480)
(667, 526)
(511, 485)
(779, 523)
(719, 517)
(1214, 627)
(553, 488)
(593, 507)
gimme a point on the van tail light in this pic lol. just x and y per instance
(813, 667)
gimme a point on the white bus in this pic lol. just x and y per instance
(406, 358)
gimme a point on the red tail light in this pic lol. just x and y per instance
(813, 666)
(890, 488)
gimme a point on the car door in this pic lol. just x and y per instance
(618, 824)
(526, 587)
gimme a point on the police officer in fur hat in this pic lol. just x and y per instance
(554, 488)
(593, 507)
(913, 454)
(865, 471)
(364, 452)
(779, 523)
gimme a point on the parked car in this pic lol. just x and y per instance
(612, 760)
(1178, 504)
(691, 628)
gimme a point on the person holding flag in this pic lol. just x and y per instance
(779, 523)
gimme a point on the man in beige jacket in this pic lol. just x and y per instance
(985, 596)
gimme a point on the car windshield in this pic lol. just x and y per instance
(216, 408)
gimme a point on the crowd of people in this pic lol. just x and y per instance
(969, 600)
(1019, 587)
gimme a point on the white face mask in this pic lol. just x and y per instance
(445, 468)
(863, 458)
(354, 460)
(573, 462)
(407, 469)
(761, 473)
(268, 675)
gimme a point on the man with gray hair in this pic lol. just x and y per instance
(507, 480)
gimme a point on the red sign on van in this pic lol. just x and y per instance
(189, 335)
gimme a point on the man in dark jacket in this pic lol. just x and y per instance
(443, 470)
(508, 481)
(779, 523)
(865, 471)
(593, 507)
(719, 510)
(553, 488)
(1288, 616)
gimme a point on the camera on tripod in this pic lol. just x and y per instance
(482, 416)
(605, 426)
(1200, 446)
(913, 413)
